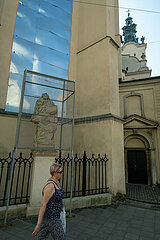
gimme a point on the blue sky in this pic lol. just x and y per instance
(148, 25)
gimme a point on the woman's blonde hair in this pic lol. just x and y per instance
(54, 168)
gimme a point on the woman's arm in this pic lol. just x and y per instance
(48, 192)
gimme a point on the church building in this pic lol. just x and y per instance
(140, 108)
(117, 102)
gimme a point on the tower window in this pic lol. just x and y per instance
(134, 54)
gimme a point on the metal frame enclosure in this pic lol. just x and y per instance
(60, 149)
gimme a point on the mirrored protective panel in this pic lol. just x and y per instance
(23, 47)
(51, 56)
(49, 69)
(34, 5)
(41, 43)
(51, 11)
(26, 23)
(14, 92)
(52, 40)
(19, 63)
(66, 5)
(54, 26)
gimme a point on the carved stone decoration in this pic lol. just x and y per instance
(45, 118)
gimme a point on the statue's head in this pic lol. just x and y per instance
(45, 96)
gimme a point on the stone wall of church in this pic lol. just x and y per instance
(142, 98)
(103, 136)
(157, 99)
(95, 66)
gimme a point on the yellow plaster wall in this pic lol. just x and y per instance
(104, 137)
(8, 125)
(133, 102)
(96, 68)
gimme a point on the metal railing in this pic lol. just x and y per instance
(20, 187)
(89, 176)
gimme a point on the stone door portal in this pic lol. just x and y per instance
(137, 166)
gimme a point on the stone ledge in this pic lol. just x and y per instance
(98, 118)
(89, 201)
(14, 211)
(78, 202)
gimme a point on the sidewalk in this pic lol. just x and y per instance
(116, 222)
(143, 193)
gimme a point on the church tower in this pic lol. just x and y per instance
(134, 63)
(129, 31)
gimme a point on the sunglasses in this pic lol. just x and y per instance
(60, 172)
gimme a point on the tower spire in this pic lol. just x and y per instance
(129, 30)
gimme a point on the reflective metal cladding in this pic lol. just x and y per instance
(41, 43)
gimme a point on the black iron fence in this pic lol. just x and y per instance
(20, 187)
(89, 176)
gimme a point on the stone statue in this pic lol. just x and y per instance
(45, 117)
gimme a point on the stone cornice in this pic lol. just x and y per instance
(76, 120)
(98, 117)
(2, 111)
(142, 81)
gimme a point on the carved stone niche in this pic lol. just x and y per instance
(45, 118)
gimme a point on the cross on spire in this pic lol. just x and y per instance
(128, 12)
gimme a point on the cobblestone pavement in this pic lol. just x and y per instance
(116, 222)
(143, 193)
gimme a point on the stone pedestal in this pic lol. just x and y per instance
(40, 174)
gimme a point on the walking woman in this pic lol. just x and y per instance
(51, 207)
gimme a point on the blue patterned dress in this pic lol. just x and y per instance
(51, 221)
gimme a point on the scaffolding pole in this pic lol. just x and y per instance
(15, 147)
(70, 208)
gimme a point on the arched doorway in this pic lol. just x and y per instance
(137, 160)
